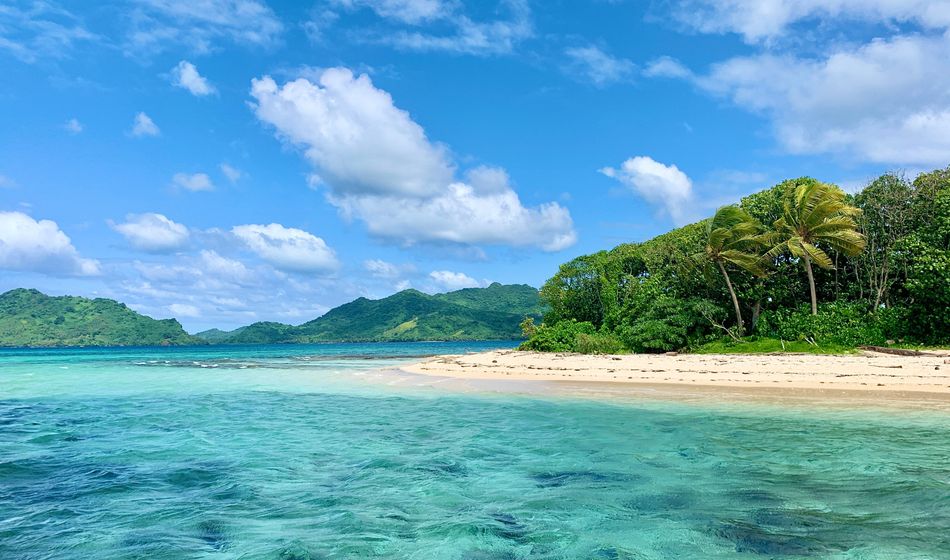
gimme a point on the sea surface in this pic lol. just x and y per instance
(321, 451)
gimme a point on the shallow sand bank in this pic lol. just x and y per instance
(884, 374)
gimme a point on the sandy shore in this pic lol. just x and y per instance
(867, 372)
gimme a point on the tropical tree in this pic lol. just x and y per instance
(732, 237)
(816, 214)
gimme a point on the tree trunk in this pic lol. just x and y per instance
(811, 285)
(756, 312)
(735, 300)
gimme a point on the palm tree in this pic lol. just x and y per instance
(731, 237)
(816, 214)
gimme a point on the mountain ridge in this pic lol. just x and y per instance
(30, 318)
(493, 312)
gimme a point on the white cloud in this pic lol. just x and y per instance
(763, 20)
(40, 246)
(6, 182)
(406, 11)
(158, 25)
(289, 249)
(36, 30)
(462, 215)
(382, 269)
(666, 67)
(887, 101)
(73, 126)
(448, 280)
(143, 125)
(233, 174)
(185, 75)
(381, 168)
(472, 37)
(660, 184)
(222, 267)
(208, 272)
(592, 64)
(354, 134)
(184, 310)
(153, 233)
(193, 181)
(884, 100)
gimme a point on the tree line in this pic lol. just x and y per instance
(801, 261)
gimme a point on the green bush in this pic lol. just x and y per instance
(669, 324)
(559, 337)
(839, 323)
(600, 343)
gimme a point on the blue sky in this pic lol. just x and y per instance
(228, 161)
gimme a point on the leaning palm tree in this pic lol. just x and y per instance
(816, 214)
(732, 236)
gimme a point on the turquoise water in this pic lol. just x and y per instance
(296, 452)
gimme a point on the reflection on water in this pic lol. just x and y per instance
(315, 458)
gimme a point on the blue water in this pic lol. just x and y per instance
(297, 452)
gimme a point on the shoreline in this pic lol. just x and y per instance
(861, 377)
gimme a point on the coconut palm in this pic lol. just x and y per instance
(816, 214)
(732, 236)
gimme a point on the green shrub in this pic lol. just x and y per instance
(559, 337)
(600, 343)
(669, 324)
(839, 323)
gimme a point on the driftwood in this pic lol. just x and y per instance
(896, 351)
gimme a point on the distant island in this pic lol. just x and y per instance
(29, 318)
(492, 313)
(32, 318)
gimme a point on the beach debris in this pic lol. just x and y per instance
(896, 351)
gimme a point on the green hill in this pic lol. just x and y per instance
(470, 314)
(31, 318)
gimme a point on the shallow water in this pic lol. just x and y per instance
(295, 452)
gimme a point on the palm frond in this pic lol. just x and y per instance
(818, 256)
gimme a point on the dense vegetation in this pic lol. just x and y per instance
(470, 314)
(31, 318)
(801, 264)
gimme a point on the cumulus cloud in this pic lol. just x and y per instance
(153, 233)
(662, 185)
(157, 25)
(40, 246)
(884, 101)
(379, 167)
(354, 134)
(600, 68)
(887, 101)
(762, 20)
(185, 75)
(462, 215)
(192, 181)
(449, 280)
(289, 249)
(143, 125)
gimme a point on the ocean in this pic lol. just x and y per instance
(298, 452)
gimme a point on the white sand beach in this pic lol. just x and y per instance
(868, 372)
